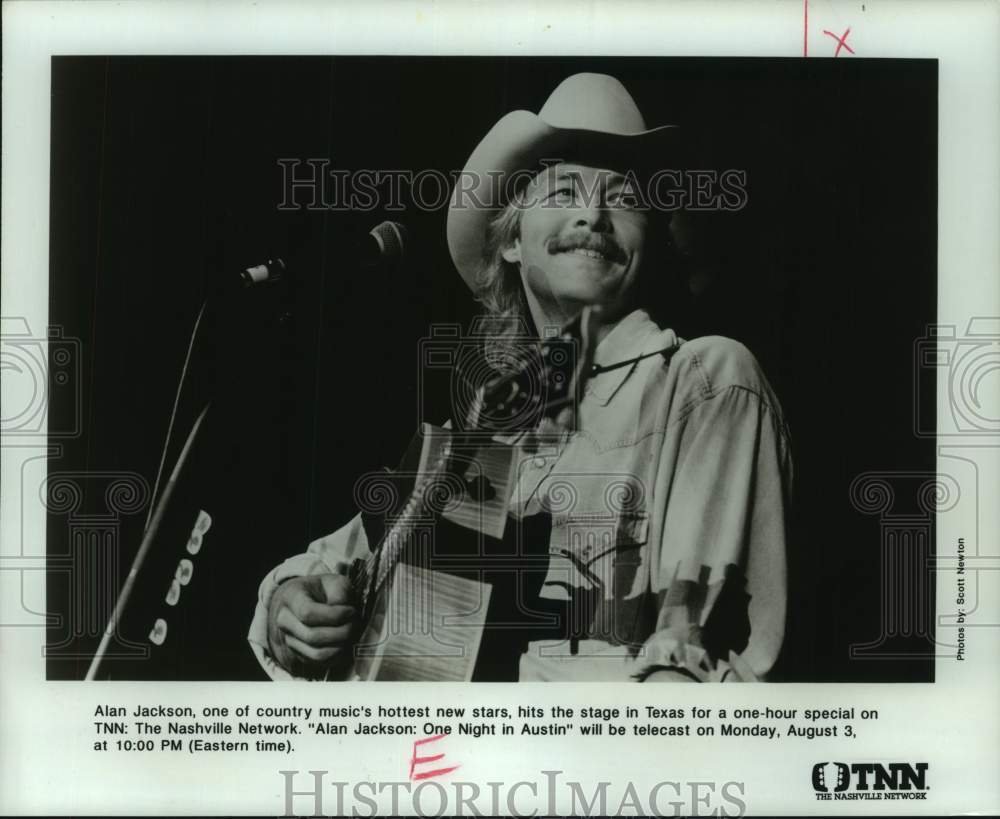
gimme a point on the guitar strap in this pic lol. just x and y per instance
(600, 369)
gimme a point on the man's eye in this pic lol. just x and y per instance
(563, 194)
(622, 199)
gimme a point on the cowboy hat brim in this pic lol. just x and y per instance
(518, 144)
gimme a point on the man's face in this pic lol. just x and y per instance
(580, 241)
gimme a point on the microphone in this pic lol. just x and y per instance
(383, 245)
(270, 271)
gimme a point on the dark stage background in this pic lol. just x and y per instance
(165, 174)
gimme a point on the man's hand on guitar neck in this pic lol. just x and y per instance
(311, 623)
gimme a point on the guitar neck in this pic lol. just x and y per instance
(369, 581)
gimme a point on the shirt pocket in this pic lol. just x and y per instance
(596, 553)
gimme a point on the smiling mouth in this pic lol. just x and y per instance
(589, 254)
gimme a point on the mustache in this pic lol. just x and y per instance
(598, 242)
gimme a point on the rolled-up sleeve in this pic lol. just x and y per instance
(327, 554)
(723, 488)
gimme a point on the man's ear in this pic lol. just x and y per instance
(512, 253)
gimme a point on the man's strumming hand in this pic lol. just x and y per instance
(311, 622)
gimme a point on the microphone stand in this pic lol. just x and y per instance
(144, 547)
(269, 272)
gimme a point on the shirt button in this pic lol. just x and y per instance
(538, 462)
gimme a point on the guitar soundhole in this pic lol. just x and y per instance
(480, 489)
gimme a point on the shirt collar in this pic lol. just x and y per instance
(636, 334)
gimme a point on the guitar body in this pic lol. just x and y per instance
(462, 602)
(428, 626)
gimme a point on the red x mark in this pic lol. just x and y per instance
(841, 41)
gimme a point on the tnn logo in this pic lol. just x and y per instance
(897, 776)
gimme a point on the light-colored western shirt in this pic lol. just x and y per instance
(669, 508)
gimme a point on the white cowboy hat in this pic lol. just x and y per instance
(588, 116)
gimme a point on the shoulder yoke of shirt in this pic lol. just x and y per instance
(712, 366)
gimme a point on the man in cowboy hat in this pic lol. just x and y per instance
(671, 547)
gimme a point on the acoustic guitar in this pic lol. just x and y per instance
(450, 592)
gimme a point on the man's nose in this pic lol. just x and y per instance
(593, 215)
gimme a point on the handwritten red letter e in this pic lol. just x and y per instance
(417, 760)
